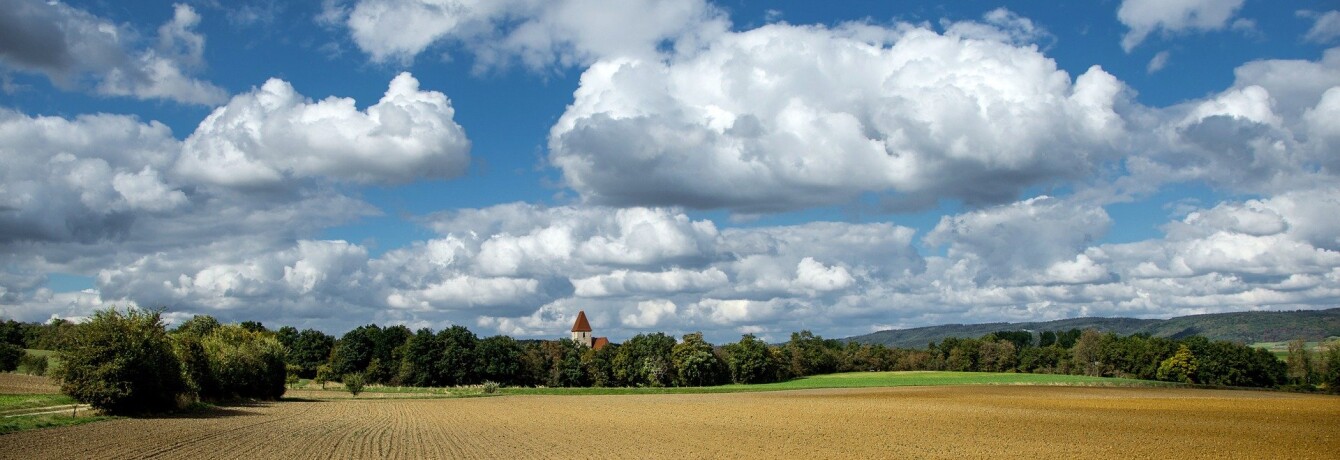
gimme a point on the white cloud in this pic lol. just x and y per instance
(82, 179)
(539, 33)
(1144, 17)
(68, 44)
(648, 313)
(1326, 29)
(1158, 62)
(1022, 237)
(785, 117)
(272, 134)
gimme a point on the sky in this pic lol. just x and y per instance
(673, 166)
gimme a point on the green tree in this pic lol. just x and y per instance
(122, 363)
(355, 350)
(354, 383)
(1181, 367)
(1088, 353)
(695, 363)
(10, 355)
(644, 360)
(499, 360)
(810, 354)
(419, 365)
(1331, 358)
(1299, 361)
(457, 364)
(309, 350)
(198, 325)
(750, 361)
(245, 363)
(34, 364)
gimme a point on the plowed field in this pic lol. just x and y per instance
(920, 422)
(19, 384)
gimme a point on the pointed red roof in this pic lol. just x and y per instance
(599, 342)
(581, 325)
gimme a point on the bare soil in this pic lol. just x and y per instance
(909, 422)
(23, 384)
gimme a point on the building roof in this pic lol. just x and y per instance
(581, 325)
(600, 342)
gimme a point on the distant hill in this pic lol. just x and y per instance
(1243, 327)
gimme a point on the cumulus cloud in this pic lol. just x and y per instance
(1144, 17)
(83, 179)
(1267, 133)
(69, 45)
(1158, 62)
(538, 33)
(272, 134)
(1025, 237)
(785, 117)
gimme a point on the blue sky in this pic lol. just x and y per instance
(727, 167)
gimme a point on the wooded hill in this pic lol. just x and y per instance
(1242, 327)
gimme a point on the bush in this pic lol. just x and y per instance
(490, 387)
(33, 364)
(122, 363)
(354, 383)
(245, 363)
(10, 355)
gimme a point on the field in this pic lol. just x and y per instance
(911, 422)
(1281, 349)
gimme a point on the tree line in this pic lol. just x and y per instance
(202, 359)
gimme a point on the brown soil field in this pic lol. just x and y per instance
(912, 422)
(21, 384)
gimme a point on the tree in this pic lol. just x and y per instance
(997, 356)
(563, 363)
(354, 383)
(253, 326)
(418, 367)
(122, 363)
(810, 354)
(456, 366)
(1299, 361)
(644, 360)
(750, 361)
(354, 351)
(1331, 358)
(198, 325)
(309, 350)
(499, 360)
(695, 363)
(10, 355)
(245, 363)
(1181, 367)
(1088, 353)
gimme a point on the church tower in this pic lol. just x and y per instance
(581, 330)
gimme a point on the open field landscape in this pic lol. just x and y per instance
(912, 422)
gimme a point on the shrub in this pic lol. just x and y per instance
(354, 383)
(490, 387)
(10, 355)
(122, 363)
(33, 364)
(245, 363)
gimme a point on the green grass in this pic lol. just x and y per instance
(1281, 349)
(16, 402)
(30, 422)
(860, 380)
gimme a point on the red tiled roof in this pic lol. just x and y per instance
(581, 325)
(600, 342)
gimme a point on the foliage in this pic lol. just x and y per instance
(418, 367)
(33, 364)
(1181, 367)
(122, 363)
(457, 363)
(750, 361)
(809, 354)
(198, 326)
(354, 383)
(696, 364)
(307, 350)
(499, 360)
(10, 355)
(490, 387)
(1330, 357)
(644, 360)
(244, 363)
(1300, 363)
(323, 374)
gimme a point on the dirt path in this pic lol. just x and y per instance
(925, 422)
